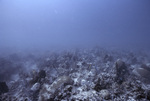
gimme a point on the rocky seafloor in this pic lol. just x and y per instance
(95, 74)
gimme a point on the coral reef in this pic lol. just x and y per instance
(95, 74)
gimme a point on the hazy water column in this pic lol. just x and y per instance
(43, 24)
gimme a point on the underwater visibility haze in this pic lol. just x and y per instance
(74, 50)
(58, 23)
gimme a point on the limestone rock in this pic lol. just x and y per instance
(48, 91)
(121, 71)
(35, 87)
(104, 94)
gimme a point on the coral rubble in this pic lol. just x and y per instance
(95, 74)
